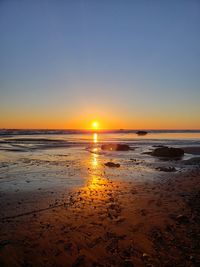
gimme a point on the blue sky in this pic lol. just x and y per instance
(64, 63)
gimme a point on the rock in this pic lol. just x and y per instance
(166, 169)
(115, 147)
(141, 132)
(112, 164)
(135, 160)
(169, 152)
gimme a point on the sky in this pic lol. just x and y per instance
(126, 64)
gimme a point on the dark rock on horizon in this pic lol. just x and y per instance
(169, 152)
(115, 147)
(141, 132)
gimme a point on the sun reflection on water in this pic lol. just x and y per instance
(95, 138)
(94, 159)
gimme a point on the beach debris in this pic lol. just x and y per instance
(169, 152)
(112, 164)
(166, 169)
(115, 147)
(141, 132)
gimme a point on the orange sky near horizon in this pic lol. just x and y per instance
(84, 120)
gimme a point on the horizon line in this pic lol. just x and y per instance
(103, 129)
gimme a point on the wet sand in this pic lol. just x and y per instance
(108, 223)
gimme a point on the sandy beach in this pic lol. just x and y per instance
(110, 224)
(133, 215)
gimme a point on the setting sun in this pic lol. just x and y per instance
(95, 125)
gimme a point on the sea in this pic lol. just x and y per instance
(36, 164)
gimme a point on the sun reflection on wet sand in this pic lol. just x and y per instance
(95, 138)
(94, 160)
(97, 184)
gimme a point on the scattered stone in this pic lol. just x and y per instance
(115, 147)
(169, 152)
(166, 169)
(112, 164)
(135, 160)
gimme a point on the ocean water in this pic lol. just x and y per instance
(26, 140)
(54, 158)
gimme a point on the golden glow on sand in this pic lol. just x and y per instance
(94, 160)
